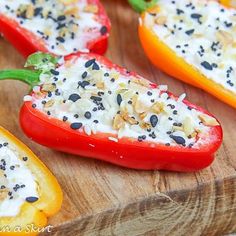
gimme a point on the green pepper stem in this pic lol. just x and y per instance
(142, 5)
(27, 76)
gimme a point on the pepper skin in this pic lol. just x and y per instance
(144, 155)
(161, 56)
(27, 42)
(50, 199)
(141, 5)
(228, 3)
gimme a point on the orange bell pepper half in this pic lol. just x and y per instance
(166, 59)
(21, 175)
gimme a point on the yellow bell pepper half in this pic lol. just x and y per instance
(33, 213)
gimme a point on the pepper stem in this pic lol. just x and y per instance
(142, 5)
(27, 76)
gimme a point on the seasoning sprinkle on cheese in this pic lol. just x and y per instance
(64, 27)
(17, 183)
(200, 32)
(119, 104)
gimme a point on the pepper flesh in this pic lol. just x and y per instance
(26, 42)
(161, 56)
(228, 3)
(127, 152)
(50, 194)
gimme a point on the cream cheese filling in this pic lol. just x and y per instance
(65, 28)
(17, 183)
(91, 98)
(201, 32)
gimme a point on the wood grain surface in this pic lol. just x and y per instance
(102, 199)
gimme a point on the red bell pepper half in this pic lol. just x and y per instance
(60, 29)
(137, 124)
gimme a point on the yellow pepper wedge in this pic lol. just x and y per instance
(166, 60)
(32, 216)
(228, 3)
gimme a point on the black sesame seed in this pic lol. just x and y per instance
(89, 63)
(31, 199)
(54, 72)
(95, 66)
(103, 30)
(189, 32)
(179, 11)
(61, 18)
(74, 97)
(64, 118)
(84, 84)
(76, 125)
(88, 115)
(119, 99)
(140, 139)
(228, 24)
(60, 39)
(207, 65)
(178, 139)
(196, 16)
(25, 158)
(175, 112)
(153, 120)
(84, 75)
(95, 98)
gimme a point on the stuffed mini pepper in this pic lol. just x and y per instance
(29, 193)
(84, 104)
(60, 27)
(193, 41)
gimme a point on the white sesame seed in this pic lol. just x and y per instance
(113, 139)
(27, 98)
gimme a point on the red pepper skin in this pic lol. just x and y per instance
(28, 43)
(126, 152)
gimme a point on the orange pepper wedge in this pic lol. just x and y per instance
(32, 216)
(168, 61)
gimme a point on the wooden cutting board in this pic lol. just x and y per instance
(102, 199)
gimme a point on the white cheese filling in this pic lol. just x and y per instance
(17, 183)
(92, 98)
(201, 32)
(64, 28)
